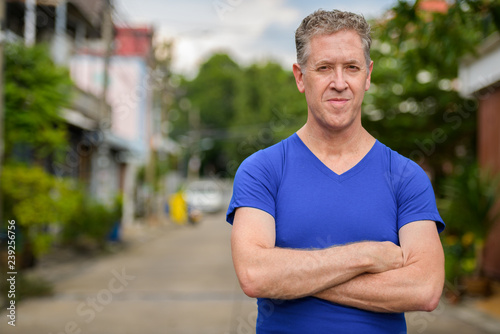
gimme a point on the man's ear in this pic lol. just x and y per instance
(299, 77)
(369, 77)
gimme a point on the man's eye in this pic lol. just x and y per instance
(323, 68)
(353, 67)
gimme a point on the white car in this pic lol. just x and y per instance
(206, 196)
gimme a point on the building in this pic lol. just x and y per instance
(95, 156)
(65, 25)
(71, 21)
(129, 91)
(480, 79)
(130, 94)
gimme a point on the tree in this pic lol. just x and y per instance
(205, 108)
(35, 92)
(240, 111)
(413, 105)
(269, 108)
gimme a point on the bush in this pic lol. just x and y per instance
(469, 210)
(26, 287)
(91, 224)
(469, 201)
(39, 203)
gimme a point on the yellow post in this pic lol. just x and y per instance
(178, 208)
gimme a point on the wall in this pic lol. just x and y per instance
(128, 96)
(489, 157)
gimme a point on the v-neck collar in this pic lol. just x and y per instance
(326, 170)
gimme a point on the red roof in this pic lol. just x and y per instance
(133, 41)
(439, 6)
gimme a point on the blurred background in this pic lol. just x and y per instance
(123, 123)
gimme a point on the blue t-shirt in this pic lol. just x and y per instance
(314, 207)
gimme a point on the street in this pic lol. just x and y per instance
(178, 280)
(175, 279)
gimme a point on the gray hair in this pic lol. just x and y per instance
(323, 22)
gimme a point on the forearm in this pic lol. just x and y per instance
(417, 286)
(290, 273)
(392, 291)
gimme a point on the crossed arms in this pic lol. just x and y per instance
(374, 276)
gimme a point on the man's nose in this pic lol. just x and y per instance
(338, 80)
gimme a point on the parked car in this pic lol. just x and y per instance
(205, 195)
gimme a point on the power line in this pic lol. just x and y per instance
(120, 15)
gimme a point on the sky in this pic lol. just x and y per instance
(248, 30)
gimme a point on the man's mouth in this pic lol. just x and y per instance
(337, 101)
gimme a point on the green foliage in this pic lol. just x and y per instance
(240, 110)
(35, 92)
(26, 287)
(413, 105)
(263, 89)
(268, 107)
(469, 209)
(460, 256)
(487, 11)
(37, 200)
(206, 106)
(91, 223)
(213, 91)
(469, 201)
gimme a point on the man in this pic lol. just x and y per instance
(333, 232)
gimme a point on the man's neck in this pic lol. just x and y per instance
(340, 150)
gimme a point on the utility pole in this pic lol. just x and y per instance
(107, 36)
(30, 22)
(194, 163)
(162, 101)
(60, 50)
(164, 64)
(2, 110)
(101, 188)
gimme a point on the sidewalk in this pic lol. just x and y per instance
(491, 305)
(64, 263)
(464, 318)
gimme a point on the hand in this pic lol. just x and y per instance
(384, 256)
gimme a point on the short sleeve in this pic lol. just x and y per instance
(415, 196)
(255, 185)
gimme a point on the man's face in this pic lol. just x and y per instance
(334, 80)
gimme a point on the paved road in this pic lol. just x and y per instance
(179, 280)
(175, 280)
